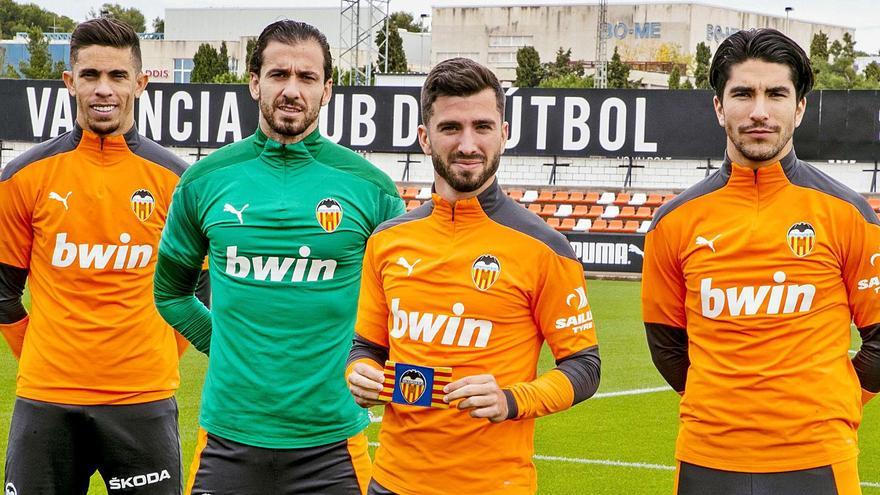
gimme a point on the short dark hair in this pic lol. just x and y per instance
(768, 45)
(290, 32)
(458, 77)
(105, 31)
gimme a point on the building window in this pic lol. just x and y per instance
(510, 41)
(503, 59)
(441, 56)
(182, 69)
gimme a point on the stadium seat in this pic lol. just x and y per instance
(560, 197)
(515, 194)
(591, 198)
(564, 210)
(553, 222)
(599, 226)
(631, 226)
(548, 210)
(643, 228)
(612, 211)
(654, 200)
(576, 197)
(669, 197)
(627, 212)
(529, 196)
(875, 203)
(413, 204)
(583, 225)
(595, 211)
(545, 196)
(643, 213)
(614, 226)
(580, 211)
(535, 208)
(606, 199)
(638, 199)
(424, 193)
(622, 198)
(567, 224)
(410, 193)
(400, 190)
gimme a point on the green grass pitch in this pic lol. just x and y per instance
(607, 445)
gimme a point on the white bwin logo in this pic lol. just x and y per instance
(99, 255)
(275, 269)
(425, 326)
(748, 300)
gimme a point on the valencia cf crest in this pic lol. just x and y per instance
(801, 239)
(412, 385)
(485, 271)
(329, 214)
(143, 204)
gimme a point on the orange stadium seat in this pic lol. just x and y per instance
(591, 198)
(399, 190)
(669, 197)
(567, 224)
(595, 211)
(548, 210)
(560, 197)
(875, 203)
(413, 204)
(553, 222)
(535, 208)
(643, 213)
(631, 226)
(599, 226)
(515, 194)
(622, 198)
(580, 211)
(627, 212)
(545, 197)
(410, 193)
(654, 200)
(576, 197)
(615, 226)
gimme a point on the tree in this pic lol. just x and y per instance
(39, 66)
(568, 81)
(528, 68)
(674, 81)
(872, 72)
(158, 25)
(618, 72)
(404, 20)
(17, 17)
(687, 84)
(819, 48)
(248, 53)
(563, 66)
(131, 16)
(232, 78)
(207, 64)
(396, 55)
(701, 71)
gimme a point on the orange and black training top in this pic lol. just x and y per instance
(80, 218)
(477, 286)
(750, 282)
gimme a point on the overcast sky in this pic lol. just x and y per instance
(863, 15)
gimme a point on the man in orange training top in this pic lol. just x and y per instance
(751, 280)
(472, 281)
(80, 217)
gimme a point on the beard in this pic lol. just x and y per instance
(289, 127)
(759, 151)
(466, 181)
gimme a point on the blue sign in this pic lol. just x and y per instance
(622, 30)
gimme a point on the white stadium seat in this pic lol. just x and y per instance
(606, 199)
(424, 193)
(643, 228)
(583, 225)
(638, 199)
(611, 211)
(564, 210)
(529, 196)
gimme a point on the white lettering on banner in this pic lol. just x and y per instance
(62, 117)
(604, 253)
(150, 115)
(408, 101)
(98, 256)
(204, 114)
(39, 109)
(641, 123)
(363, 108)
(749, 300)
(571, 122)
(426, 326)
(338, 109)
(543, 103)
(515, 127)
(174, 130)
(605, 127)
(229, 121)
(275, 269)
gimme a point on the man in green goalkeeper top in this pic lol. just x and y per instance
(284, 216)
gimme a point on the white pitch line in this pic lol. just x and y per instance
(636, 465)
(637, 391)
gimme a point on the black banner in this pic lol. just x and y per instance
(564, 122)
(608, 252)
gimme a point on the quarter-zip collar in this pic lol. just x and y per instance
(108, 150)
(286, 156)
(767, 179)
(473, 209)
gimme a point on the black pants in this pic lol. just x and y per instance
(55, 448)
(697, 480)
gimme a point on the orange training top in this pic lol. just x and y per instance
(765, 270)
(82, 217)
(477, 286)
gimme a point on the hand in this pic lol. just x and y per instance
(365, 383)
(481, 395)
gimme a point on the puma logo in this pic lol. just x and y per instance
(57, 197)
(409, 268)
(701, 241)
(228, 208)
